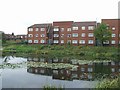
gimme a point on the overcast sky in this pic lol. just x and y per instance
(17, 15)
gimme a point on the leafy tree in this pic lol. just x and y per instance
(102, 34)
(2, 37)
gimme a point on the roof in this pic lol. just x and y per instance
(87, 23)
(41, 25)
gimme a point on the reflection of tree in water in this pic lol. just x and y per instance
(102, 71)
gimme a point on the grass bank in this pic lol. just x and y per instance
(81, 52)
(108, 84)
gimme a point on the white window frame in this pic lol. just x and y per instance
(75, 28)
(68, 35)
(30, 29)
(42, 41)
(74, 41)
(75, 35)
(82, 41)
(62, 41)
(83, 27)
(30, 35)
(113, 28)
(68, 29)
(56, 29)
(90, 27)
(37, 29)
(90, 41)
(56, 35)
(62, 35)
(106, 42)
(42, 29)
(113, 42)
(35, 41)
(114, 35)
(62, 29)
(56, 41)
(42, 35)
(90, 35)
(83, 35)
(29, 41)
(36, 35)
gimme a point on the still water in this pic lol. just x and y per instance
(17, 74)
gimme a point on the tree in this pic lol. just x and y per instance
(2, 37)
(102, 34)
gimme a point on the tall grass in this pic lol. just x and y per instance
(107, 84)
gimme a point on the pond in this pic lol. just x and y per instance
(37, 72)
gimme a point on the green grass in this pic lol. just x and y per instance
(52, 88)
(107, 84)
(80, 52)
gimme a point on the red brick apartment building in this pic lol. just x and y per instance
(114, 25)
(39, 34)
(69, 32)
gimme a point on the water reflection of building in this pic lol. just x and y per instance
(49, 60)
(82, 72)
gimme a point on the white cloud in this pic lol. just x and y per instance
(17, 15)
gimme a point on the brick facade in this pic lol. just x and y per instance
(69, 32)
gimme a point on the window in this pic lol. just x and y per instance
(90, 27)
(113, 28)
(36, 70)
(90, 76)
(42, 41)
(30, 35)
(74, 41)
(42, 35)
(90, 34)
(30, 29)
(112, 63)
(113, 42)
(56, 29)
(83, 35)
(36, 29)
(35, 41)
(36, 35)
(113, 35)
(68, 35)
(90, 69)
(106, 42)
(62, 35)
(68, 41)
(62, 29)
(55, 71)
(56, 41)
(113, 69)
(62, 41)
(21, 36)
(56, 35)
(83, 27)
(42, 29)
(68, 29)
(75, 35)
(29, 41)
(90, 41)
(82, 69)
(75, 28)
(42, 71)
(82, 41)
